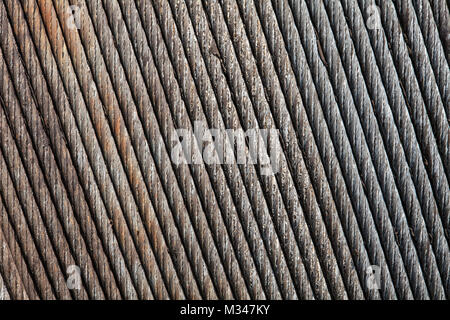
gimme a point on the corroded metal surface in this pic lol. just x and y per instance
(97, 95)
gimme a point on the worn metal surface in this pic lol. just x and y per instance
(94, 206)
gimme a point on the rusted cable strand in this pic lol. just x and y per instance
(14, 189)
(19, 187)
(156, 192)
(393, 147)
(18, 257)
(44, 199)
(106, 214)
(126, 49)
(14, 288)
(71, 182)
(54, 133)
(15, 279)
(98, 162)
(349, 82)
(4, 293)
(182, 281)
(72, 140)
(150, 221)
(21, 241)
(37, 283)
(89, 114)
(160, 148)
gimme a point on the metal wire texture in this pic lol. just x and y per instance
(96, 96)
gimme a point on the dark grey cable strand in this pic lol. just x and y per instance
(361, 152)
(442, 16)
(404, 82)
(396, 154)
(435, 47)
(364, 134)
